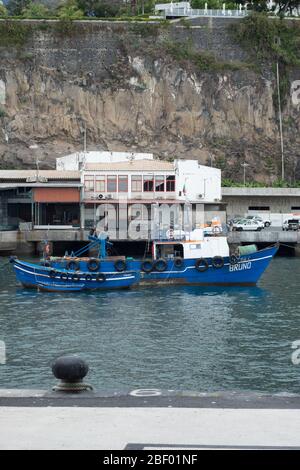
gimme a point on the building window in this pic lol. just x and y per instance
(123, 184)
(100, 184)
(170, 186)
(136, 183)
(112, 184)
(89, 183)
(259, 208)
(295, 208)
(148, 183)
(159, 183)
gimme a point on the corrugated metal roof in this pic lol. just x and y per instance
(49, 174)
(134, 165)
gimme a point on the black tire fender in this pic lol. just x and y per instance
(72, 265)
(160, 265)
(100, 277)
(93, 264)
(178, 263)
(120, 265)
(218, 262)
(201, 265)
(147, 266)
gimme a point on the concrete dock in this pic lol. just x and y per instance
(28, 242)
(148, 419)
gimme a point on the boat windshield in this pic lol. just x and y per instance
(169, 250)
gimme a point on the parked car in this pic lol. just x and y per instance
(264, 222)
(235, 219)
(291, 224)
(245, 224)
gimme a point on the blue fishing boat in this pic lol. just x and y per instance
(204, 260)
(242, 270)
(71, 276)
(191, 259)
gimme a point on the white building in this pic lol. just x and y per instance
(128, 188)
(76, 161)
(197, 183)
(118, 176)
(116, 189)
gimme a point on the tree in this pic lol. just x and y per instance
(35, 10)
(258, 5)
(99, 8)
(270, 166)
(220, 162)
(280, 6)
(70, 11)
(15, 7)
(3, 11)
(285, 6)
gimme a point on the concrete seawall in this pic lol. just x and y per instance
(264, 237)
(28, 242)
(148, 419)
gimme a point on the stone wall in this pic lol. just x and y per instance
(120, 81)
(211, 34)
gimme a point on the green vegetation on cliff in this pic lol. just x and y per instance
(270, 41)
(14, 34)
(2, 113)
(230, 183)
(204, 61)
(3, 11)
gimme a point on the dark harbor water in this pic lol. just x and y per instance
(185, 338)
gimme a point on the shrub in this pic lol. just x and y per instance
(35, 10)
(2, 113)
(203, 60)
(270, 40)
(70, 11)
(3, 11)
(15, 7)
(259, 34)
(14, 33)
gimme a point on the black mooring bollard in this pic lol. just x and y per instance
(70, 370)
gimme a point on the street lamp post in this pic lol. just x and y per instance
(244, 165)
(278, 43)
(280, 122)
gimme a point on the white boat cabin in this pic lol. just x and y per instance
(194, 246)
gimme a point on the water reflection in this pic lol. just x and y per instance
(192, 338)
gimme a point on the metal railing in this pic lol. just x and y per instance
(190, 12)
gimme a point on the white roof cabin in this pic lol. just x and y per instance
(194, 246)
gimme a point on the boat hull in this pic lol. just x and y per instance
(247, 271)
(39, 277)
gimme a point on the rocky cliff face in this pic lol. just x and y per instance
(132, 94)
